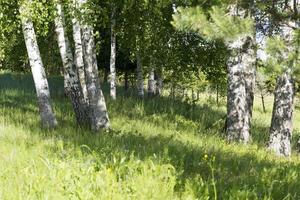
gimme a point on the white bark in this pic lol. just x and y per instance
(140, 76)
(159, 83)
(282, 126)
(151, 83)
(113, 55)
(97, 106)
(241, 80)
(72, 85)
(241, 74)
(249, 62)
(78, 54)
(39, 76)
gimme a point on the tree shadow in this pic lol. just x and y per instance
(211, 161)
(232, 171)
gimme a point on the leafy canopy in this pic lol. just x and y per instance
(283, 54)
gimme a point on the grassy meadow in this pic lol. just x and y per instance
(157, 149)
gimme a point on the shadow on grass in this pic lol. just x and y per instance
(234, 172)
(127, 104)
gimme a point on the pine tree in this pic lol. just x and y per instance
(233, 24)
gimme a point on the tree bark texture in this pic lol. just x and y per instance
(97, 106)
(151, 83)
(281, 125)
(241, 79)
(78, 54)
(48, 119)
(72, 84)
(113, 55)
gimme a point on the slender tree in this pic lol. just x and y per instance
(78, 54)
(113, 53)
(97, 106)
(39, 76)
(159, 83)
(72, 84)
(151, 82)
(140, 76)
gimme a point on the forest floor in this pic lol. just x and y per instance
(157, 149)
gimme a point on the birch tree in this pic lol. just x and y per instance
(78, 54)
(48, 119)
(151, 82)
(71, 79)
(159, 83)
(97, 106)
(140, 76)
(113, 53)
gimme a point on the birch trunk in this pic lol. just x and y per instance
(97, 106)
(281, 125)
(140, 78)
(48, 119)
(151, 83)
(159, 83)
(113, 55)
(78, 55)
(73, 89)
(240, 68)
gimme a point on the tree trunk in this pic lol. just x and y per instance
(113, 55)
(79, 63)
(263, 102)
(240, 90)
(97, 106)
(249, 62)
(241, 80)
(140, 76)
(72, 85)
(159, 83)
(281, 125)
(48, 119)
(151, 83)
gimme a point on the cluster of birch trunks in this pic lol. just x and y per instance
(81, 79)
(82, 83)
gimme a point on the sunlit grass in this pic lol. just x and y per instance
(157, 149)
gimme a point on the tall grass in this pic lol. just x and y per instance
(158, 148)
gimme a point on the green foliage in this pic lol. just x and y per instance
(214, 24)
(283, 54)
(162, 149)
(41, 12)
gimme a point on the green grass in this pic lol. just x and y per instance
(158, 149)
